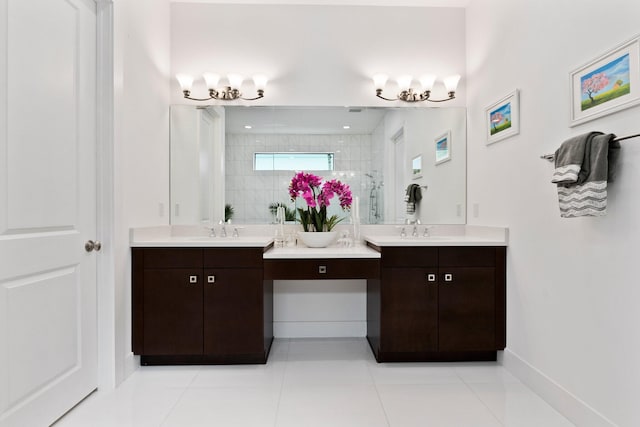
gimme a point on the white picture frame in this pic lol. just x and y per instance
(502, 118)
(442, 146)
(416, 167)
(606, 84)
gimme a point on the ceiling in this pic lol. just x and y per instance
(303, 120)
(396, 3)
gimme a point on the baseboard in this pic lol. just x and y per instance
(131, 363)
(319, 329)
(569, 405)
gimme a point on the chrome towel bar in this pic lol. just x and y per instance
(551, 157)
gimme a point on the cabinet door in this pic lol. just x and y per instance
(233, 306)
(172, 311)
(409, 310)
(466, 316)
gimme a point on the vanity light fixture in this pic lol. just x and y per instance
(226, 93)
(407, 94)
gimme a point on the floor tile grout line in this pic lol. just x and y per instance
(480, 399)
(375, 386)
(173, 407)
(284, 374)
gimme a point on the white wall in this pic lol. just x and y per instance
(573, 290)
(316, 55)
(141, 56)
(444, 199)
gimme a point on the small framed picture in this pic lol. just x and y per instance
(607, 84)
(503, 118)
(416, 167)
(443, 147)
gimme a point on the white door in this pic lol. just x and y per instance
(48, 347)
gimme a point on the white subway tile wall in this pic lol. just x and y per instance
(250, 192)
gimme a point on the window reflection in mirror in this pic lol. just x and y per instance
(215, 151)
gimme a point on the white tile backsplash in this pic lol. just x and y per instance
(355, 155)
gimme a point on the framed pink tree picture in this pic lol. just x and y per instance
(607, 84)
(502, 118)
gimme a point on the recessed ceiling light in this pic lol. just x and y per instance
(346, 127)
(247, 126)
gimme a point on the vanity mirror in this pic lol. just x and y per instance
(245, 157)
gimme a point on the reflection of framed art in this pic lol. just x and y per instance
(503, 118)
(443, 147)
(607, 84)
(416, 167)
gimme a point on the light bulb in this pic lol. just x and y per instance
(426, 81)
(260, 81)
(235, 80)
(211, 80)
(379, 80)
(186, 81)
(404, 83)
(451, 83)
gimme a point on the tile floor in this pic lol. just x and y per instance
(318, 382)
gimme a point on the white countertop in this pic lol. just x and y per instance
(203, 242)
(445, 235)
(262, 236)
(302, 252)
(435, 241)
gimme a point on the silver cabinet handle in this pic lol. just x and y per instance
(91, 245)
(211, 279)
(448, 277)
(322, 269)
(193, 279)
(431, 277)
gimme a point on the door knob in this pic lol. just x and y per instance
(92, 246)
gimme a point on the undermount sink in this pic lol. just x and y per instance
(413, 238)
(219, 240)
(202, 238)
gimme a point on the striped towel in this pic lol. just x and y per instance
(413, 195)
(583, 168)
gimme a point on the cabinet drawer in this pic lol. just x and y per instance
(314, 269)
(233, 257)
(408, 256)
(172, 258)
(467, 257)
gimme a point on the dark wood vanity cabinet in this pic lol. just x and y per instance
(438, 303)
(201, 305)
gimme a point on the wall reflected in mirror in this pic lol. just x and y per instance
(244, 158)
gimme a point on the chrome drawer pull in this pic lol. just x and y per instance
(211, 279)
(448, 277)
(322, 269)
(431, 277)
(193, 279)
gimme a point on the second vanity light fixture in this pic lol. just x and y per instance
(407, 94)
(226, 93)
